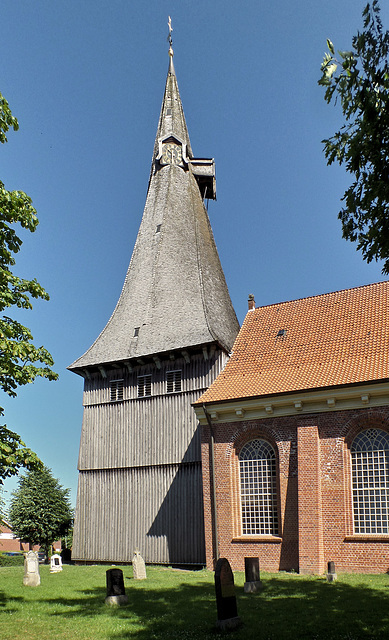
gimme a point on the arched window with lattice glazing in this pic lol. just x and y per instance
(370, 481)
(258, 488)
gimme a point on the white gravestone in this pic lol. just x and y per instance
(138, 566)
(31, 570)
(55, 563)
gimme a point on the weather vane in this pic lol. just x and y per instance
(169, 38)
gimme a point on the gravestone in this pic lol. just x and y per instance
(138, 566)
(227, 613)
(115, 587)
(253, 581)
(55, 563)
(331, 575)
(31, 570)
(66, 556)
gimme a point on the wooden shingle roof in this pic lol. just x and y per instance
(338, 338)
(175, 294)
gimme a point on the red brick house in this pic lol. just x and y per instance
(295, 437)
(8, 540)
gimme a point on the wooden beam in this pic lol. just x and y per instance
(186, 356)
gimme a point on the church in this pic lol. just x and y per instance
(199, 442)
(140, 477)
(295, 437)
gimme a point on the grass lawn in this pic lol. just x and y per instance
(181, 604)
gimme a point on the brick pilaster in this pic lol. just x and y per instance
(310, 524)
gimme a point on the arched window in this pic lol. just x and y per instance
(258, 488)
(370, 477)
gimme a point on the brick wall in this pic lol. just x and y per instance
(314, 493)
(10, 543)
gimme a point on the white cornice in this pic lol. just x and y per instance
(324, 401)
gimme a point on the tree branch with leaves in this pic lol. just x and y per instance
(40, 510)
(21, 362)
(359, 80)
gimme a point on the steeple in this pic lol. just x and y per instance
(172, 118)
(166, 341)
(174, 295)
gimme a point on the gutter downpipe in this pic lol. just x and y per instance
(213, 486)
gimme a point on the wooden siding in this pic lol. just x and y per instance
(160, 429)
(196, 376)
(140, 482)
(140, 433)
(158, 510)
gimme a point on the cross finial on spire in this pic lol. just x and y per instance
(169, 38)
(170, 41)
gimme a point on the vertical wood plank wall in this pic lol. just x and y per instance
(140, 481)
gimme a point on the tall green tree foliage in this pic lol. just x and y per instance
(40, 510)
(359, 80)
(20, 360)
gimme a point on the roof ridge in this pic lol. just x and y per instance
(322, 341)
(321, 295)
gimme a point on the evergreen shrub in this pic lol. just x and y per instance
(11, 561)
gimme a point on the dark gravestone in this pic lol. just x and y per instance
(115, 587)
(331, 575)
(253, 581)
(66, 555)
(227, 613)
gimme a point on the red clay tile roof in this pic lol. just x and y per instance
(333, 339)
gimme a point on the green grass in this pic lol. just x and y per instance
(181, 605)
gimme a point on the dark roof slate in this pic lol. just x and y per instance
(175, 290)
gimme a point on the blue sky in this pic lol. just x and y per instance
(86, 79)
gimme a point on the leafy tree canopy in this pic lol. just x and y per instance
(359, 80)
(40, 510)
(20, 360)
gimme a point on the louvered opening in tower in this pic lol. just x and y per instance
(144, 386)
(173, 381)
(116, 387)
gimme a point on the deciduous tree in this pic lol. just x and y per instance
(359, 80)
(40, 510)
(20, 360)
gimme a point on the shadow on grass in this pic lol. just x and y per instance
(5, 599)
(295, 608)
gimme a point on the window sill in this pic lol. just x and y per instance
(265, 538)
(367, 537)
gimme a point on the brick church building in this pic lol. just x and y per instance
(292, 453)
(295, 437)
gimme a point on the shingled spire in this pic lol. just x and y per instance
(140, 481)
(174, 295)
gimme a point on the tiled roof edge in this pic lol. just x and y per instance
(200, 401)
(321, 295)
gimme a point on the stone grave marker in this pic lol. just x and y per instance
(31, 570)
(331, 575)
(227, 613)
(55, 563)
(116, 594)
(138, 566)
(253, 581)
